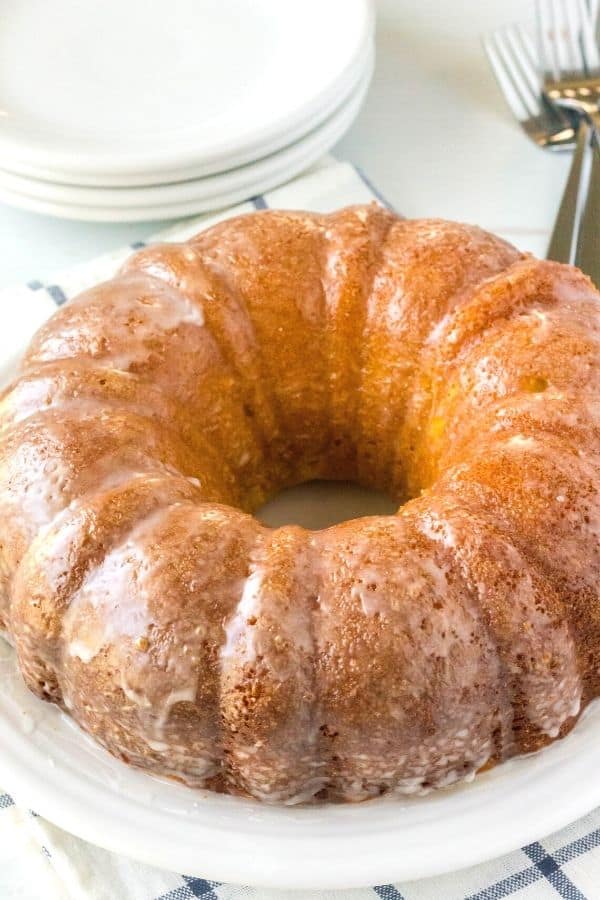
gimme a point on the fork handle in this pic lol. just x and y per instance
(564, 233)
(588, 240)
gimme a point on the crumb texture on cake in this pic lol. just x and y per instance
(390, 654)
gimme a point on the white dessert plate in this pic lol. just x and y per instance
(190, 82)
(191, 197)
(49, 765)
(242, 178)
(143, 178)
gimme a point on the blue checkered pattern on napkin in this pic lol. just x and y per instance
(39, 861)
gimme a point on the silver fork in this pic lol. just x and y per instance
(514, 62)
(571, 62)
(569, 56)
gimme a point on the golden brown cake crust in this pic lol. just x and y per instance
(154, 413)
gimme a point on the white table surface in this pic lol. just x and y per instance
(434, 135)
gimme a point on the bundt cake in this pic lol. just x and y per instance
(390, 654)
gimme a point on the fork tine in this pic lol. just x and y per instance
(528, 98)
(547, 55)
(557, 34)
(503, 77)
(571, 22)
(530, 51)
(594, 6)
(523, 56)
(588, 39)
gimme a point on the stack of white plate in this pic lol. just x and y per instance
(130, 110)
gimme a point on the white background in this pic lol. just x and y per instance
(434, 135)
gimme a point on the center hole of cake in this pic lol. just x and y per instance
(319, 504)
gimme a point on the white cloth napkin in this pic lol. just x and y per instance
(39, 861)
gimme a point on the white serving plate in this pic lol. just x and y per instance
(244, 178)
(190, 82)
(234, 187)
(49, 765)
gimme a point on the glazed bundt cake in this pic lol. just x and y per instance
(392, 654)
